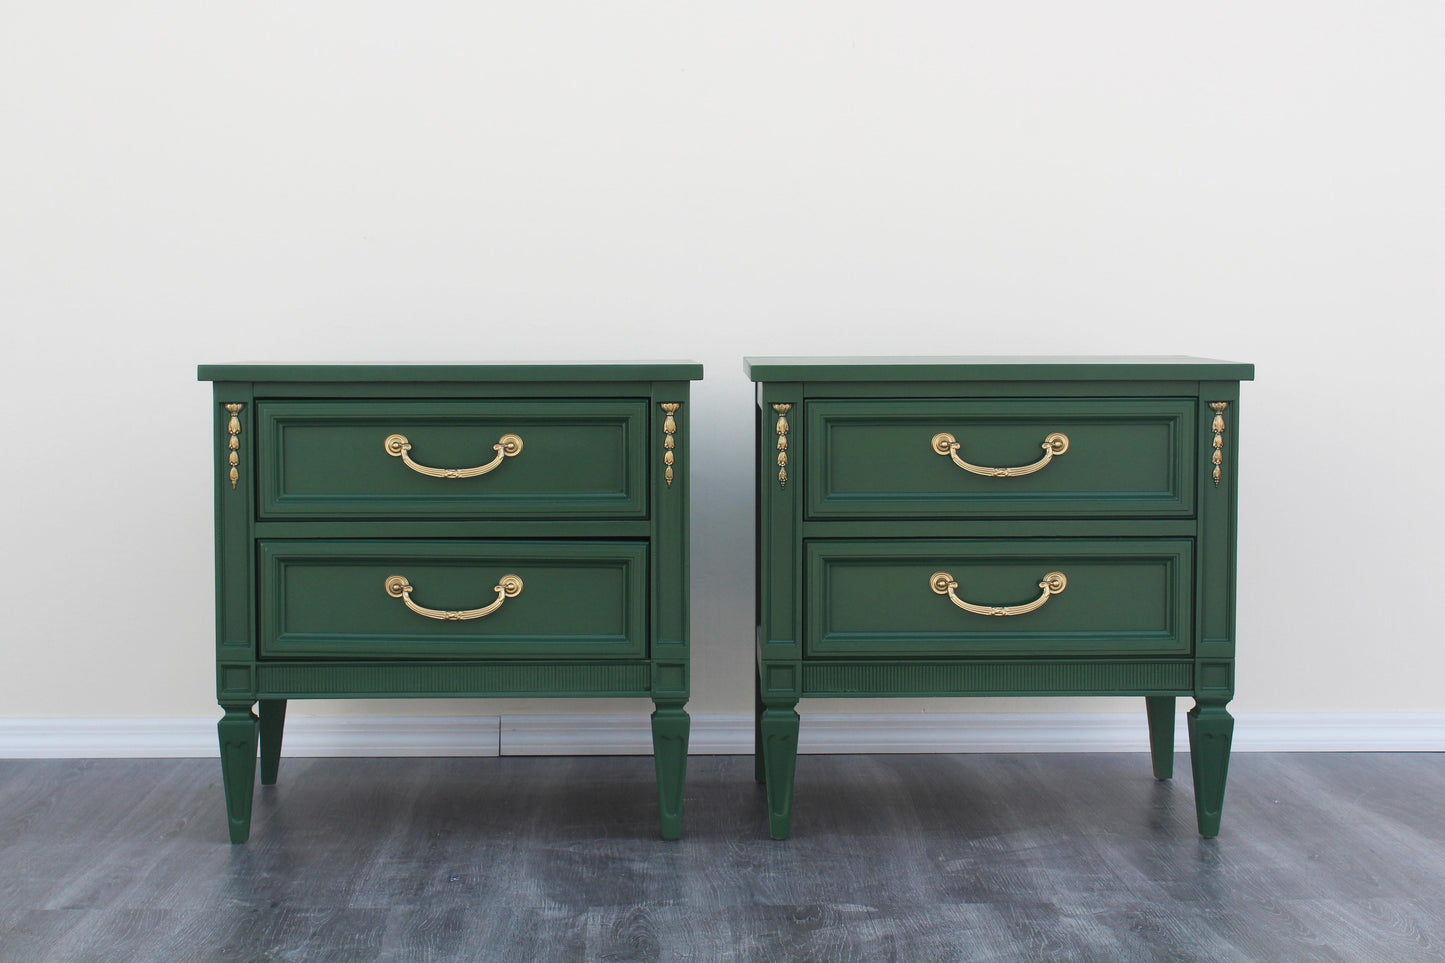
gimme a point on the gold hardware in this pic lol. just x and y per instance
(508, 445)
(233, 428)
(943, 584)
(669, 428)
(507, 587)
(1054, 444)
(782, 411)
(1218, 429)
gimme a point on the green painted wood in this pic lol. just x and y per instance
(457, 528)
(780, 569)
(491, 374)
(779, 461)
(994, 528)
(449, 390)
(237, 732)
(669, 557)
(272, 727)
(1125, 457)
(1218, 513)
(760, 769)
(1211, 731)
(578, 459)
(234, 550)
(874, 598)
(996, 368)
(327, 598)
(779, 726)
(1145, 537)
(919, 678)
(1160, 710)
(236, 680)
(670, 726)
(670, 452)
(890, 390)
(356, 679)
(584, 514)
(1211, 727)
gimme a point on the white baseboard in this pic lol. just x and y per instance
(980, 732)
(601, 735)
(191, 738)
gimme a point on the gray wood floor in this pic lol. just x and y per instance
(909, 858)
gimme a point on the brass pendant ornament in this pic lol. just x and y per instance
(1218, 428)
(782, 411)
(669, 443)
(233, 429)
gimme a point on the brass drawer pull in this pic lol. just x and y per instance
(508, 445)
(1052, 584)
(1054, 444)
(507, 587)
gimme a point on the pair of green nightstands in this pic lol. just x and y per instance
(926, 527)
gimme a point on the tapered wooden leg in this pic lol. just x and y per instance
(670, 727)
(1211, 730)
(273, 721)
(780, 755)
(1161, 734)
(237, 730)
(760, 770)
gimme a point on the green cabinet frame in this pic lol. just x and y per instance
(1185, 413)
(640, 546)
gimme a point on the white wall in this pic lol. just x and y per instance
(199, 182)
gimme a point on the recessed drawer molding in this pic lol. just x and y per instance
(1125, 597)
(1111, 457)
(334, 598)
(349, 459)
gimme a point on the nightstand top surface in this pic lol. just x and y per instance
(513, 371)
(998, 368)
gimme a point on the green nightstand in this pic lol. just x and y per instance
(353, 562)
(997, 526)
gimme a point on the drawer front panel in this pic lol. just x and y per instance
(1122, 597)
(578, 459)
(321, 599)
(876, 459)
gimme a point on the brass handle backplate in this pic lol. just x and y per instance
(1052, 584)
(507, 587)
(1054, 444)
(398, 447)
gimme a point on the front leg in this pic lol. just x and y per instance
(780, 754)
(1211, 730)
(670, 728)
(237, 730)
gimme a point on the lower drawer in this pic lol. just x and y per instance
(385, 598)
(982, 597)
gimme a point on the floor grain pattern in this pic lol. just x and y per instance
(893, 858)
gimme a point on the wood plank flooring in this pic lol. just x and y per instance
(906, 858)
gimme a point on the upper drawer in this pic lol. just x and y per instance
(576, 459)
(894, 459)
